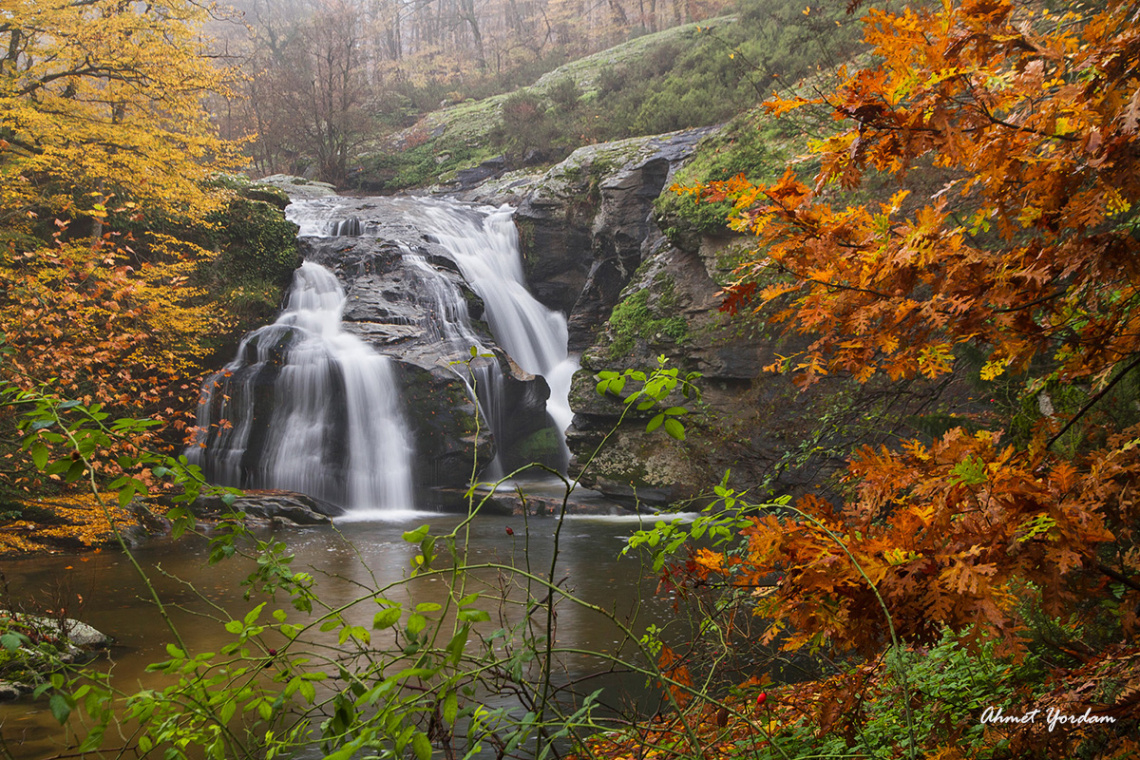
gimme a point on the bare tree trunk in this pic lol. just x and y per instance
(467, 13)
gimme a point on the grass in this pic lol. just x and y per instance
(688, 76)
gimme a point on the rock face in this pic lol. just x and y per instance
(594, 250)
(587, 224)
(746, 420)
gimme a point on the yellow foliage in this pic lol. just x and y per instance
(102, 98)
(77, 521)
(105, 146)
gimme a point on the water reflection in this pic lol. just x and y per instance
(347, 562)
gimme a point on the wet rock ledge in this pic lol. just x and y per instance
(34, 646)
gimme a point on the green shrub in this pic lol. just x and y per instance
(751, 145)
(256, 255)
(949, 687)
(565, 94)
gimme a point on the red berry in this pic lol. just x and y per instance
(510, 532)
(761, 697)
(272, 652)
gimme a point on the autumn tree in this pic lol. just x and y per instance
(309, 93)
(105, 97)
(1011, 129)
(105, 149)
(997, 142)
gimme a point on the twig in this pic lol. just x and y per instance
(1092, 401)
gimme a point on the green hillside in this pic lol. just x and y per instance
(688, 76)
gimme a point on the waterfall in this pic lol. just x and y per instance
(484, 244)
(488, 254)
(308, 407)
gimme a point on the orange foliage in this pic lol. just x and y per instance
(1032, 121)
(1028, 252)
(947, 534)
(80, 319)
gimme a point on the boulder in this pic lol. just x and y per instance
(298, 188)
(286, 506)
(57, 641)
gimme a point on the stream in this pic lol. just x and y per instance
(103, 590)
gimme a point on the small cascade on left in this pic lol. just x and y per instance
(308, 407)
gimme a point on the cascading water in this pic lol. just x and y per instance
(450, 322)
(536, 337)
(483, 243)
(311, 407)
(308, 407)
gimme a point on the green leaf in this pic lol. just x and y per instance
(253, 614)
(39, 455)
(450, 707)
(474, 616)
(428, 607)
(655, 423)
(127, 493)
(94, 739)
(675, 429)
(417, 535)
(75, 471)
(227, 711)
(421, 745)
(676, 410)
(455, 647)
(386, 618)
(308, 691)
(60, 707)
(416, 623)
(13, 641)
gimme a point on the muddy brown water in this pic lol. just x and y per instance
(103, 590)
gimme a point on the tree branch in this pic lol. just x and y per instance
(1092, 401)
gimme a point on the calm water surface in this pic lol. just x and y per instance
(103, 590)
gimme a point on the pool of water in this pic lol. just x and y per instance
(347, 560)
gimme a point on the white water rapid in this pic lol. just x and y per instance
(484, 244)
(489, 257)
(308, 407)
